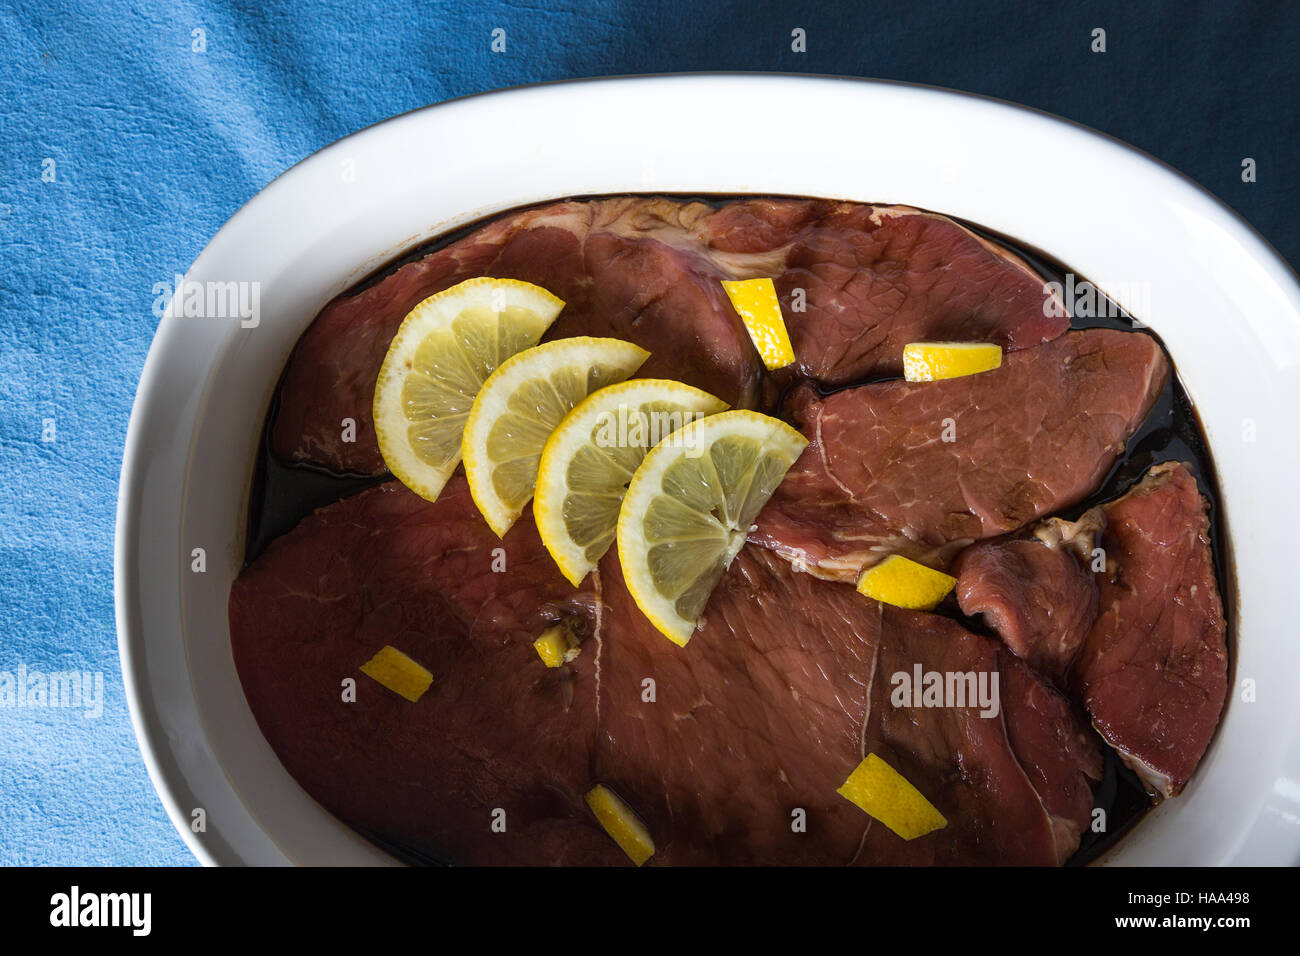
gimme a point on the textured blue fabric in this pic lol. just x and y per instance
(154, 145)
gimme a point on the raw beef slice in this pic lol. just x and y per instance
(768, 710)
(923, 469)
(496, 728)
(1153, 671)
(1019, 787)
(647, 270)
(1142, 641)
(1037, 592)
(786, 686)
(624, 268)
(877, 277)
(760, 715)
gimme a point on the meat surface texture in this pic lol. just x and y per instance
(1153, 671)
(779, 695)
(496, 729)
(1022, 779)
(750, 721)
(786, 686)
(1041, 599)
(856, 283)
(923, 469)
(732, 749)
(877, 277)
(1139, 640)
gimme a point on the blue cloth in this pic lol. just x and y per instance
(150, 146)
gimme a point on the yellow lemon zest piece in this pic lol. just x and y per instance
(398, 673)
(932, 361)
(555, 647)
(621, 823)
(904, 583)
(884, 793)
(756, 303)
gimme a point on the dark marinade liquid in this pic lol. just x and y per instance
(283, 493)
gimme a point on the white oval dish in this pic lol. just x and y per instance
(1223, 301)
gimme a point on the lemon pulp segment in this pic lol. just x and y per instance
(590, 458)
(519, 406)
(691, 505)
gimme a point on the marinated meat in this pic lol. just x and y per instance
(1153, 671)
(732, 749)
(1026, 777)
(496, 729)
(648, 270)
(924, 469)
(877, 277)
(785, 688)
(759, 716)
(1038, 595)
(1135, 628)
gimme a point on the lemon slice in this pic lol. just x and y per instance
(690, 506)
(902, 582)
(932, 361)
(756, 303)
(442, 353)
(519, 406)
(590, 458)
